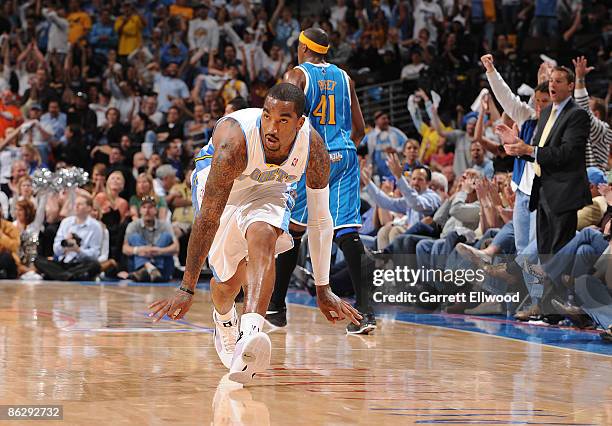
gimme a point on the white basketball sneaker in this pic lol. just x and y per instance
(226, 334)
(252, 355)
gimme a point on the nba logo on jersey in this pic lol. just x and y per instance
(294, 162)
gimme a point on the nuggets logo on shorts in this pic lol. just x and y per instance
(278, 175)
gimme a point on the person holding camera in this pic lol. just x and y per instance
(76, 246)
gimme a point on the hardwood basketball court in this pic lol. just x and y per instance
(92, 349)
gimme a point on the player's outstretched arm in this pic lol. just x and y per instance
(321, 231)
(357, 121)
(229, 161)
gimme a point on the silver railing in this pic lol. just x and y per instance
(390, 97)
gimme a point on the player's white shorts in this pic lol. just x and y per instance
(265, 203)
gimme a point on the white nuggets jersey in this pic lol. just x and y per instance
(258, 173)
(260, 194)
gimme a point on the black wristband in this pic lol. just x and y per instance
(186, 290)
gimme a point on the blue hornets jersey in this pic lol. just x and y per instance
(328, 104)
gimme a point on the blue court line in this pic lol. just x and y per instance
(553, 336)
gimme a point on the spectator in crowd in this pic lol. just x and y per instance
(479, 162)
(98, 179)
(166, 178)
(129, 27)
(150, 244)
(461, 140)
(203, 30)
(285, 27)
(55, 120)
(19, 169)
(9, 245)
(592, 214)
(172, 129)
(10, 114)
(171, 90)
(79, 23)
(76, 246)
(600, 137)
(25, 210)
(144, 188)
(103, 36)
(411, 72)
(384, 139)
(182, 214)
(58, 31)
(416, 202)
(24, 192)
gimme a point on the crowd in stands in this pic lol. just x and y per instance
(460, 198)
(131, 90)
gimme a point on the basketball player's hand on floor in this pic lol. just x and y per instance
(334, 308)
(175, 307)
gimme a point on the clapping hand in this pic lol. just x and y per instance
(605, 190)
(394, 165)
(366, 175)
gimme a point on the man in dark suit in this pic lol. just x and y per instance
(560, 187)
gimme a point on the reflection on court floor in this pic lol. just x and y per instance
(93, 349)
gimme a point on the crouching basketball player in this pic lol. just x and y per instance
(243, 182)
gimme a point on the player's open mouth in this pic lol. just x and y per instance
(271, 140)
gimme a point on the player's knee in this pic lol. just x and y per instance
(262, 235)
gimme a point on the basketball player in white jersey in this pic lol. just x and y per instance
(243, 182)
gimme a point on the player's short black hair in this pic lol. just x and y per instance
(317, 35)
(238, 103)
(287, 92)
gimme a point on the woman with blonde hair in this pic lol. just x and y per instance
(25, 191)
(32, 157)
(114, 212)
(98, 178)
(144, 187)
(109, 200)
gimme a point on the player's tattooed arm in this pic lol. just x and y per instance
(317, 170)
(229, 161)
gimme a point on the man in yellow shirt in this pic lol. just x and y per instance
(79, 22)
(430, 137)
(129, 26)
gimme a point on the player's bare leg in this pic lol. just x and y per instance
(261, 239)
(253, 348)
(225, 316)
(223, 294)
